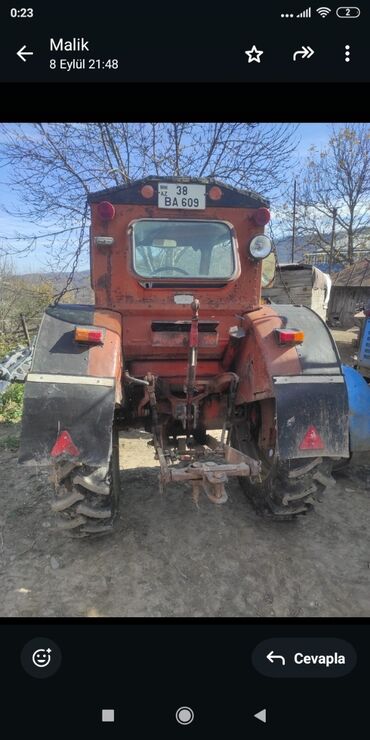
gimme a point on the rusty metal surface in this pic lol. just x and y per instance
(172, 339)
(208, 408)
(196, 471)
(116, 285)
(206, 474)
(260, 356)
(235, 457)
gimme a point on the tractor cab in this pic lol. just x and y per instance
(158, 241)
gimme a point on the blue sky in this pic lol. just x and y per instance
(310, 134)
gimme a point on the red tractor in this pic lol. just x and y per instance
(179, 342)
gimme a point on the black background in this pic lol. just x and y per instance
(147, 669)
(291, 102)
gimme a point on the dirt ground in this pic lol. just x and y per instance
(347, 343)
(168, 558)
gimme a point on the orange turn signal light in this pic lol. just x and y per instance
(92, 336)
(289, 336)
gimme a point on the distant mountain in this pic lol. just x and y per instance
(303, 246)
(284, 249)
(80, 284)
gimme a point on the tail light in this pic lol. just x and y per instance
(106, 211)
(289, 336)
(91, 336)
(262, 216)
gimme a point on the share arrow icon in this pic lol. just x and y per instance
(306, 53)
(22, 53)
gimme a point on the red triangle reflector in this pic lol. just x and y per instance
(312, 440)
(64, 444)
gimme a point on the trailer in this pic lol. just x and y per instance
(303, 285)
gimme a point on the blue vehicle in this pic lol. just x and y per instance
(363, 357)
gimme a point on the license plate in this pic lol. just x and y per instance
(176, 195)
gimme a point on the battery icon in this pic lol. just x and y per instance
(346, 11)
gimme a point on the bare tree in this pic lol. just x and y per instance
(54, 166)
(334, 194)
(19, 296)
(285, 222)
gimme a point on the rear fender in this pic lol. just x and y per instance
(72, 387)
(306, 381)
(260, 358)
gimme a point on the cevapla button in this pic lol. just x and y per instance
(304, 657)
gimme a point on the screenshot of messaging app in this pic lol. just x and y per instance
(184, 369)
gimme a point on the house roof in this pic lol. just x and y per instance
(353, 276)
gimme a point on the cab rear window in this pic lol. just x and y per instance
(183, 249)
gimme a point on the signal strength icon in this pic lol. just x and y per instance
(323, 12)
(305, 14)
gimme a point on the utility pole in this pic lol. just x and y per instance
(294, 216)
(332, 240)
(25, 329)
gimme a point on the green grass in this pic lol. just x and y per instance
(11, 404)
(10, 442)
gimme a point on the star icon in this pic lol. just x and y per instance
(253, 54)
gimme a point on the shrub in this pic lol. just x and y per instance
(11, 404)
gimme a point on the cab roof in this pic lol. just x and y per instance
(130, 192)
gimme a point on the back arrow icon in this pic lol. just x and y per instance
(21, 53)
(306, 53)
(271, 657)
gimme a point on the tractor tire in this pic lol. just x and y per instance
(286, 489)
(85, 498)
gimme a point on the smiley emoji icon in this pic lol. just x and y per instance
(41, 658)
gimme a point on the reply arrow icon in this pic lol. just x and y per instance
(306, 52)
(22, 53)
(271, 657)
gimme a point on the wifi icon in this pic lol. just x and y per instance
(323, 12)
